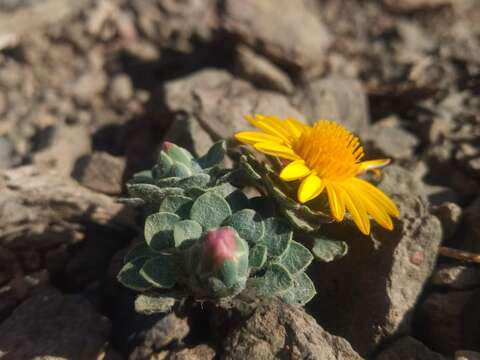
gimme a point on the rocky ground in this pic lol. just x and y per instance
(90, 88)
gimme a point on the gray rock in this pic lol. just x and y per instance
(398, 180)
(408, 348)
(89, 86)
(101, 172)
(121, 88)
(6, 152)
(200, 352)
(458, 277)
(279, 331)
(387, 138)
(450, 321)
(335, 98)
(51, 324)
(467, 355)
(261, 72)
(283, 41)
(449, 215)
(62, 147)
(220, 102)
(386, 273)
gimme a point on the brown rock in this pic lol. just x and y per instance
(53, 325)
(279, 331)
(457, 277)
(200, 352)
(467, 355)
(335, 98)
(101, 172)
(273, 28)
(450, 215)
(64, 146)
(450, 321)
(408, 348)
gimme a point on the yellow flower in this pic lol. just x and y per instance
(326, 158)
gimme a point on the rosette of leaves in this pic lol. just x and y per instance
(211, 244)
(306, 218)
(176, 171)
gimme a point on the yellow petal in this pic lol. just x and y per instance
(310, 188)
(336, 200)
(294, 127)
(372, 165)
(294, 171)
(251, 138)
(376, 210)
(357, 210)
(275, 149)
(379, 197)
(270, 127)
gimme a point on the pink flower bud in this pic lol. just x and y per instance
(219, 245)
(167, 145)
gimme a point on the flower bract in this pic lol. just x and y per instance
(324, 158)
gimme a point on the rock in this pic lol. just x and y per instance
(50, 324)
(408, 348)
(279, 331)
(200, 352)
(396, 179)
(471, 241)
(439, 196)
(89, 86)
(302, 48)
(165, 331)
(261, 72)
(62, 147)
(335, 98)
(408, 6)
(6, 152)
(121, 88)
(449, 215)
(458, 277)
(386, 272)
(450, 321)
(467, 355)
(220, 102)
(101, 172)
(41, 210)
(387, 138)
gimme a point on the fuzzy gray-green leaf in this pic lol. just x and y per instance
(163, 167)
(302, 291)
(177, 204)
(328, 250)
(296, 258)
(214, 156)
(148, 305)
(248, 224)
(199, 180)
(151, 194)
(181, 170)
(257, 257)
(186, 232)
(178, 154)
(140, 250)
(143, 177)
(159, 230)
(130, 276)
(160, 271)
(275, 281)
(210, 210)
(277, 236)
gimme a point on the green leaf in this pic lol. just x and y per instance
(301, 223)
(186, 232)
(130, 276)
(178, 154)
(248, 224)
(177, 204)
(328, 250)
(161, 271)
(228, 273)
(237, 200)
(181, 170)
(302, 291)
(170, 181)
(297, 258)
(159, 230)
(224, 189)
(275, 281)
(214, 156)
(249, 169)
(140, 250)
(142, 177)
(277, 236)
(151, 194)
(163, 167)
(199, 180)
(210, 210)
(194, 192)
(149, 305)
(257, 257)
